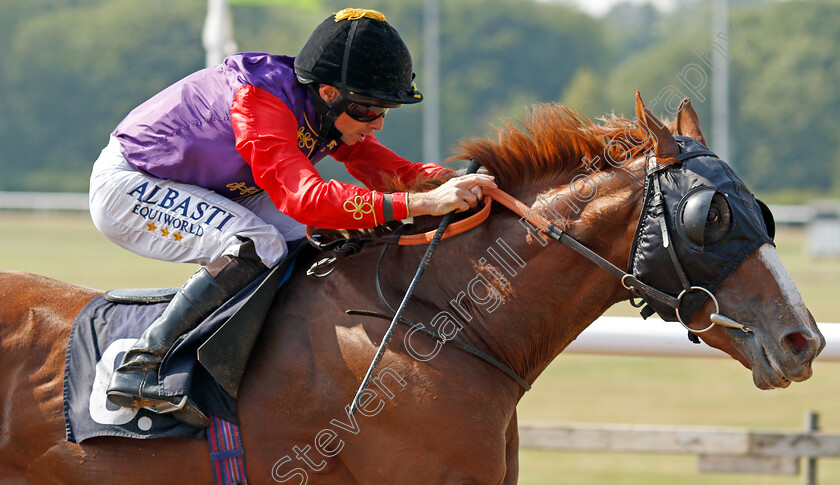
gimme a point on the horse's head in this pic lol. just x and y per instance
(704, 238)
(700, 245)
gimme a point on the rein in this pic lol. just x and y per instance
(634, 286)
(544, 226)
(424, 263)
(637, 288)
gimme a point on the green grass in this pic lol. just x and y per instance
(574, 389)
(552, 468)
(68, 247)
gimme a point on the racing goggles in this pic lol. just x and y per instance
(364, 113)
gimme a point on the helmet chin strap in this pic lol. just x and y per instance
(329, 113)
(333, 111)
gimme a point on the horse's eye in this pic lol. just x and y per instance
(718, 221)
(712, 217)
(705, 217)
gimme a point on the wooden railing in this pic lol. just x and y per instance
(719, 449)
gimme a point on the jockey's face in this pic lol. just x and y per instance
(352, 131)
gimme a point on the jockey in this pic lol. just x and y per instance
(217, 170)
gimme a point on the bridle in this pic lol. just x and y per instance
(637, 288)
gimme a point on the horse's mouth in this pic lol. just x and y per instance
(769, 375)
(776, 366)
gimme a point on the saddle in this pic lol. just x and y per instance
(207, 363)
(225, 353)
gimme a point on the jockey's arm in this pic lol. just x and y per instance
(370, 162)
(266, 137)
(373, 164)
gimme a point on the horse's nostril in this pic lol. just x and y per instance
(798, 341)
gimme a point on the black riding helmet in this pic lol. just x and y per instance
(359, 53)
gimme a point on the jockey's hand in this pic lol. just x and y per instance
(457, 194)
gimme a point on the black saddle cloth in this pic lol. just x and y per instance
(103, 331)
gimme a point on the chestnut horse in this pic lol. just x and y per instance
(433, 414)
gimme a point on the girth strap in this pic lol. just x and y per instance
(226, 452)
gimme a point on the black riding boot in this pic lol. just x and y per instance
(135, 382)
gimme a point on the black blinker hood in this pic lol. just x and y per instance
(704, 265)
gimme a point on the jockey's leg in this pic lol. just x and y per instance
(135, 382)
(177, 222)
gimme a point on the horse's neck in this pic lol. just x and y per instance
(524, 300)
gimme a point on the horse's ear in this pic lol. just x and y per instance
(688, 123)
(666, 145)
(640, 108)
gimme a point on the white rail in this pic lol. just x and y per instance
(51, 201)
(655, 337)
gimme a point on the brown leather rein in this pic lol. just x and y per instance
(533, 217)
(540, 223)
(464, 225)
(453, 229)
(637, 288)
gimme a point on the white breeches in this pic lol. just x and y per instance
(178, 222)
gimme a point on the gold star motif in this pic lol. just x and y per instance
(151, 226)
(177, 236)
(164, 232)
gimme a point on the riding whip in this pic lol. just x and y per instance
(473, 168)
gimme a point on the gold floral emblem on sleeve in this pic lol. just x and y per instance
(358, 207)
(305, 139)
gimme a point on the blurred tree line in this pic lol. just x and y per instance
(74, 68)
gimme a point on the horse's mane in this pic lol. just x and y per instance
(552, 142)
